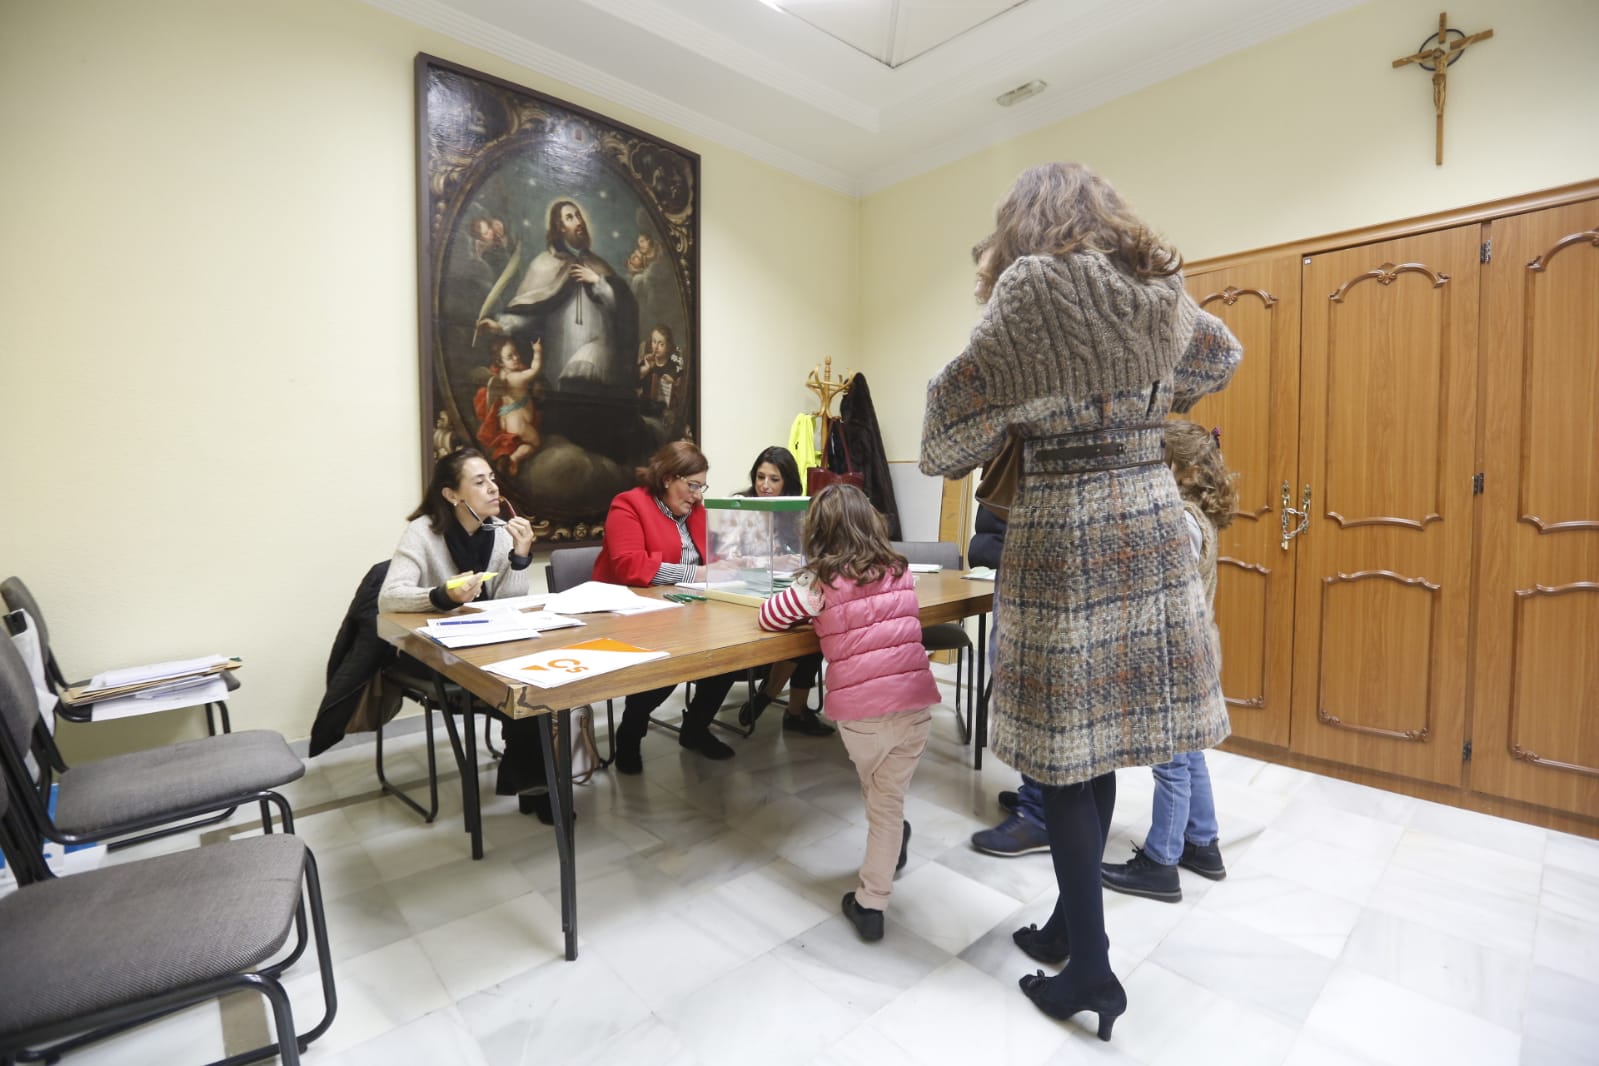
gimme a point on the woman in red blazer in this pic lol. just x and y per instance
(655, 535)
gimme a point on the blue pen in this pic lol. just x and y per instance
(462, 621)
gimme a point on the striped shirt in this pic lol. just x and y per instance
(672, 573)
(795, 605)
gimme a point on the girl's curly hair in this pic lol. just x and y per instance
(1194, 455)
(844, 536)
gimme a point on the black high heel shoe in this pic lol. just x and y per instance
(1108, 1000)
(1040, 948)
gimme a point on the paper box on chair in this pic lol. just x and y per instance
(754, 545)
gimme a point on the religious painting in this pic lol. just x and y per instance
(559, 278)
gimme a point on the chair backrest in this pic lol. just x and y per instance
(939, 552)
(570, 567)
(18, 598)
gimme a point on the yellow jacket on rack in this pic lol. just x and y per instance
(802, 442)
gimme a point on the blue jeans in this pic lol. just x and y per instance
(1184, 808)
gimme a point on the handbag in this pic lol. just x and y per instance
(1002, 478)
(818, 478)
(585, 752)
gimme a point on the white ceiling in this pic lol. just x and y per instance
(860, 94)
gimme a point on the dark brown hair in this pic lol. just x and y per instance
(783, 459)
(446, 475)
(554, 232)
(1061, 208)
(1194, 455)
(844, 536)
(677, 459)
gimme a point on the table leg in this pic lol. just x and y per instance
(980, 726)
(555, 740)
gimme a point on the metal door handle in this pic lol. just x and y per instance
(1303, 513)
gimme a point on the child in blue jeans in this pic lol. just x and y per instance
(1183, 830)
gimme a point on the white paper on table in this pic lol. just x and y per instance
(212, 690)
(131, 674)
(925, 568)
(560, 666)
(510, 603)
(478, 629)
(980, 573)
(592, 597)
(543, 620)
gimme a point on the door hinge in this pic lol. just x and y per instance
(1465, 752)
(1485, 253)
(1476, 484)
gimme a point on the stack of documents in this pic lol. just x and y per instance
(493, 627)
(158, 687)
(925, 568)
(981, 573)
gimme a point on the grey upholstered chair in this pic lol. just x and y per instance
(138, 791)
(90, 956)
(947, 636)
(568, 568)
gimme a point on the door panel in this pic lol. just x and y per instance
(1536, 667)
(1257, 417)
(1387, 439)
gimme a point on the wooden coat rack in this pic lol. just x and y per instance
(820, 381)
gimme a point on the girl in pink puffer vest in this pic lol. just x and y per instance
(862, 596)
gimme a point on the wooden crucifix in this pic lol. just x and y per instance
(1440, 52)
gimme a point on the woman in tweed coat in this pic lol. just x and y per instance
(1106, 659)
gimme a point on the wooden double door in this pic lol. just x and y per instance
(1411, 585)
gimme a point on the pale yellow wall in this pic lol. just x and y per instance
(208, 348)
(1309, 134)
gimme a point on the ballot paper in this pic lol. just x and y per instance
(559, 666)
(593, 597)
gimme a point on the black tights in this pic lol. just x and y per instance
(1077, 818)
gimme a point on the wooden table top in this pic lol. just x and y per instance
(700, 639)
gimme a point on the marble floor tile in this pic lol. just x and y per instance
(1443, 967)
(959, 1014)
(1265, 972)
(650, 1041)
(438, 1039)
(1316, 864)
(378, 992)
(492, 945)
(441, 894)
(945, 908)
(1390, 1024)
(1461, 908)
(554, 1013)
(719, 1028)
(1570, 894)
(859, 975)
(1172, 1021)
(1567, 945)
(1577, 854)
(1316, 921)
(1563, 1012)
(1480, 830)
(1487, 869)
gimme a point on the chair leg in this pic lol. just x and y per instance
(432, 810)
(171, 830)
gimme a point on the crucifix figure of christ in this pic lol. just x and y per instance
(1441, 53)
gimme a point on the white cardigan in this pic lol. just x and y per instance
(422, 561)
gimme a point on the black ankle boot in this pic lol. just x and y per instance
(629, 756)
(700, 740)
(750, 713)
(1142, 876)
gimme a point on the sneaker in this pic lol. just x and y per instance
(1016, 835)
(808, 723)
(1010, 801)
(1203, 859)
(1142, 876)
(867, 922)
(904, 849)
(705, 744)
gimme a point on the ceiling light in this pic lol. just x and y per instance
(1021, 92)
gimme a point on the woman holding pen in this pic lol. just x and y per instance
(456, 550)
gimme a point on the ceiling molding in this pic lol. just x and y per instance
(724, 51)
(469, 30)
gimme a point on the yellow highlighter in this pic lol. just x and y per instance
(457, 582)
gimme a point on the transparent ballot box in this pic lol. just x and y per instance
(754, 545)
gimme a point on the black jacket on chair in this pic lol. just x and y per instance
(356, 662)
(988, 541)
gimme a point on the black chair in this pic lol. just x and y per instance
(165, 788)
(948, 636)
(93, 955)
(568, 568)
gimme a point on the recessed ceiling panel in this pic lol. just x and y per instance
(895, 31)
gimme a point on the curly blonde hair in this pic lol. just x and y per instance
(1194, 455)
(844, 536)
(1061, 208)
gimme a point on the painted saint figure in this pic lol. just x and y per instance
(506, 405)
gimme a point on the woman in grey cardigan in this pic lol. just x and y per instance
(1106, 658)
(445, 556)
